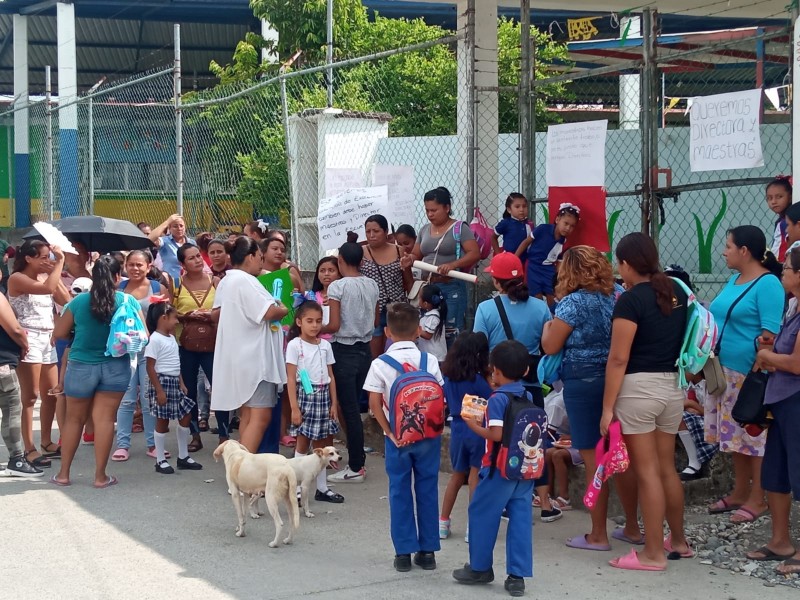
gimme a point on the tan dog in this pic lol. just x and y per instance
(306, 468)
(252, 474)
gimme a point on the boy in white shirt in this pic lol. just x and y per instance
(420, 459)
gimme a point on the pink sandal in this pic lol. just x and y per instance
(288, 441)
(631, 562)
(672, 554)
(120, 455)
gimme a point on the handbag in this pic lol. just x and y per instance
(532, 376)
(611, 455)
(712, 371)
(198, 335)
(749, 408)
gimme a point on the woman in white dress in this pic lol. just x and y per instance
(249, 367)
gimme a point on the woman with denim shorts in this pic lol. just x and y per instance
(582, 330)
(93, 383)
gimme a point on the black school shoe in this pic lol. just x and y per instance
(402, 563)
(426, 560)
(189, 464)
(328, 496)
(470, 577)
(515, 586)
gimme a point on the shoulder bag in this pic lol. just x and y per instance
(199, 335)
(712, 371)
(415, 293)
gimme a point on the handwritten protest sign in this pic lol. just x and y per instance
(341, 180)
(399, 179)
(725, 131)
(576, 154)
(347, 212)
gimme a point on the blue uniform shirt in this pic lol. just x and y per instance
(545, 249)
(168, 251)
(514, 232)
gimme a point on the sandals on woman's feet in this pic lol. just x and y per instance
(48, 452)
(40, 461)
(195, 445)
(722, 506)
(202, 425)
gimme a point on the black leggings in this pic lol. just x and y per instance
(191, 362)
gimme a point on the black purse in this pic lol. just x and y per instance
(749, 408)
(532, 376)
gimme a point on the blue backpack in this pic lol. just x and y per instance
(520, 452)
(699, 339)
(416, 401)
(128, 335)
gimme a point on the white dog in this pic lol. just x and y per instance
(253, 474)
(306, 468)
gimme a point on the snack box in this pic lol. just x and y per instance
(473, 407)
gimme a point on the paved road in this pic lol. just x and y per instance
(156, 536)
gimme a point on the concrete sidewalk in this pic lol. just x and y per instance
(156, 536)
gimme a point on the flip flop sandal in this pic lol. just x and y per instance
(55, 481)
(767, 555)
(722, 506)
(202, 425)
(631, 562)
(108, 483)
(195, 446)
(789, 562)
(581, 543)
(673, 554)
(120, 455)
(745, 515)
(619, 534)
(288, 441)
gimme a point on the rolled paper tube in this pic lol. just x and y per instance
(418, 264)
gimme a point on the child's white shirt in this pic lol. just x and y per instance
(438, 347)
(381, 376)
(314, 358)
(164, 349)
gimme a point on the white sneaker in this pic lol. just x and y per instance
(348, 476)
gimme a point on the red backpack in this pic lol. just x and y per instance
(416, 402)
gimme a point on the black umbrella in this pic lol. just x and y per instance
(99, 234)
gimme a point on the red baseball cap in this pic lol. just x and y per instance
(505, 265)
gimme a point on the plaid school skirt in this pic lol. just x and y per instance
(316, 408)
(178, 404)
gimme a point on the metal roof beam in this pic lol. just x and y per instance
(37, 8)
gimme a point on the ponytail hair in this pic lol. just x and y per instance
(240, 248)
(103, 295)
(639, 252)
(516, 289)
(432, 294)
(155, 311)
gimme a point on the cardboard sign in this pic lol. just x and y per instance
(576, 154)
(725, 131)
(347, 212)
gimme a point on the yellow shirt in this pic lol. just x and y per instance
(186, 301)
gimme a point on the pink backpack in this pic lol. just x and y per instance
(482, 232)
(611, 454)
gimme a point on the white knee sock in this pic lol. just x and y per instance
(322, 481)
(691, 449)
(161, 442)
(183, 441)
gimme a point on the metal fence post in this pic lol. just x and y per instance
(48, 92)
(91, 154)
(649, 92)
(469, 81)
(526, 140)
(178, 122)
(293, 226)
(329, 52)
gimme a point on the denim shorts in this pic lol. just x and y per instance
(83, 380)
(378, 331)
(780, 471)
(583, 398)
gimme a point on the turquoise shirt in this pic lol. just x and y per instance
(760, 309)
(91, 336)
(527, 320)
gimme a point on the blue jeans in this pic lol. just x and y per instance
(191, 363)
(203, 397)
(455, 294)
(492, 495)
(270, 443)
(583, 399)
(136, 389)
(420, 460)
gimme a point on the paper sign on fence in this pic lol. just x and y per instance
(347, 212)
(341, 180)
(399, 179)
(725, 132)
(576, 154)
